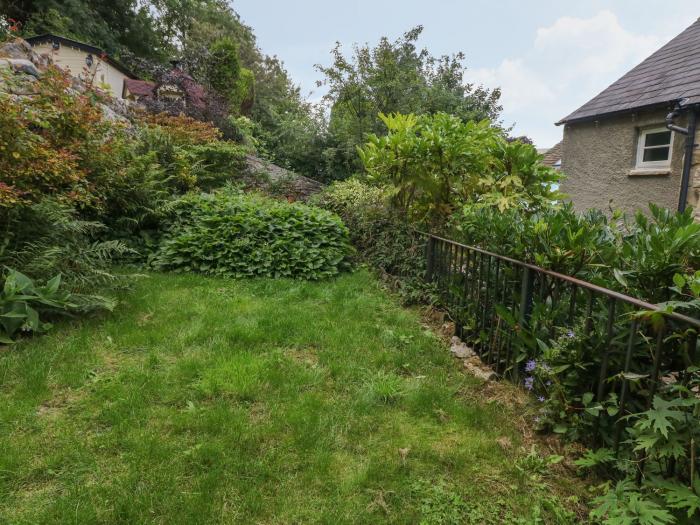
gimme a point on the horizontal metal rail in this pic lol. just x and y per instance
(633, 301)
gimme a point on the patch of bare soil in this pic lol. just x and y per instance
(307, 356)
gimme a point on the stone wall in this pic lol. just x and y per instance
(598, 160)
(694, 189)
(266, 175)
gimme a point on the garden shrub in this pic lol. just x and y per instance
(55, 144)
(191, 158)
(436, 163)
(220, 162)
(637, 255)
(182, 129)
(231, 234)
(382, 236)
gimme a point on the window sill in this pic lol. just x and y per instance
(649, 172)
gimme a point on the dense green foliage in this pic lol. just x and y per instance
(420, 176)
(79, 191)
(207, 400)
(238, 235)
(638, 255)
(393, 77)
(434, 164)
(381, 235)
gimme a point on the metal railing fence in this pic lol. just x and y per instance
(510, 311)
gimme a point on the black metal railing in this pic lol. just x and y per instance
(510, 311)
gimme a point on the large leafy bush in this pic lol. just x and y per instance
(231, 234)
(433, 164)
(638, 255)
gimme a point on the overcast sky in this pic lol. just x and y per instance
(549, 57)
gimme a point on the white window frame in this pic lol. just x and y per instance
(653, 164)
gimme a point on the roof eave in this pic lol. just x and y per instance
(611, 114)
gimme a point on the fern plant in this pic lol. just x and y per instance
(49, 238)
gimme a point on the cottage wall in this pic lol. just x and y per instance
(598, 160)
(73, 60)
(694, 190)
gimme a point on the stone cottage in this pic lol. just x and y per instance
(633, 143)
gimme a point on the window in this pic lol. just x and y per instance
(654, 148)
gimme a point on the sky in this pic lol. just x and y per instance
(548, 57)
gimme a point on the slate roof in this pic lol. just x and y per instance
(139, 88)
(552, 156)
(670, 74)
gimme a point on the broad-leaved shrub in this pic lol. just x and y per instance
(25, 305)
(231, 234)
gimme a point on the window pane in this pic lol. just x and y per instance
(661, 138)
(656, 154)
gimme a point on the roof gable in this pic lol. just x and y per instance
(670, 74)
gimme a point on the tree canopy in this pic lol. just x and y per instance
(394, 77)
(216, 48)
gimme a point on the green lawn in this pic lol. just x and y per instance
(206, 400)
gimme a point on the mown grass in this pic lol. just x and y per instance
(263, 401)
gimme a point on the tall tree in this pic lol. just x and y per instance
(394, 77)
(114, 25)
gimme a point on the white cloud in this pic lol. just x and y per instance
(567, 64)
(521, 86)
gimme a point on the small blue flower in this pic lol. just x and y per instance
(540, 399)
(530, 365)
(570, 334)
(529, 382)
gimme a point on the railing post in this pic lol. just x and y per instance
(430, 265)
(525, 309)
(526, 296)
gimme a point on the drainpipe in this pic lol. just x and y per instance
(689, 132)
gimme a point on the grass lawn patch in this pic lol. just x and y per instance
(205, 400)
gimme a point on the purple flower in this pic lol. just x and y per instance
(530, 365)
(540, 399)
(570, 334)
(529, 382)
